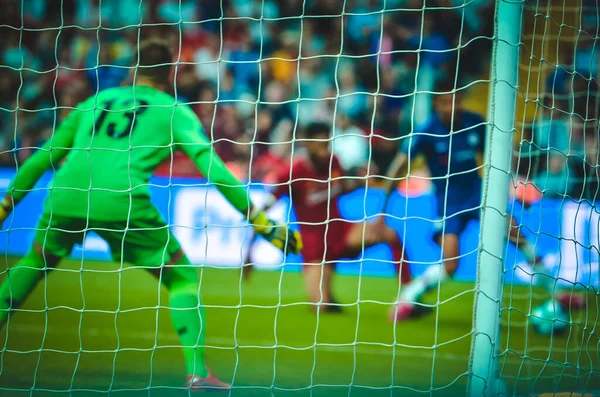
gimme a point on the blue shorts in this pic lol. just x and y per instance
(455, 223)
(454, 217)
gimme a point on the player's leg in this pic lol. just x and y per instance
(543, 278)
(247, 267)
(149, 244)
(377, 232)
(180, 278)
(361, 236)
(318, 266)
(22, 278)
(528, 250)
(434, 274)
(54, 240)
(318, 278)
(447, 236)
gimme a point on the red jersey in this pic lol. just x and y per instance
(314, 193)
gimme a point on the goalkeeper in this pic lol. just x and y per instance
(111, 143)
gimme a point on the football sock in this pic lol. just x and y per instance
(187, 313)
(528, 250)
(400, 262)
(541, 277)
(430, 278)
(19, 282)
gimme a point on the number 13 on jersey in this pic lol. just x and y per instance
(121, 117)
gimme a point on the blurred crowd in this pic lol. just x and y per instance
(257, 71)
(559, 150)
(254, 71)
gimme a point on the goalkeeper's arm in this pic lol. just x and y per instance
(193, 142)
(49, 155)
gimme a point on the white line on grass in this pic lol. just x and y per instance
(217, 342)
(229, 343)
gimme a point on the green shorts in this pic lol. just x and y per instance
(144, 242)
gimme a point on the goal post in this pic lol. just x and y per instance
(483, 368)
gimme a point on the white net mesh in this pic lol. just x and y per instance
(258, 74)
(556, 175)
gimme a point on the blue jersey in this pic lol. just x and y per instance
(451, 159)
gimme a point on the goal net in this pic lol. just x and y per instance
(258, 74)
(555, 174)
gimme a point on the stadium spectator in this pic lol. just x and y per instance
(352, 100)
(316, 85)
(183, 12)
(261, 152)
(313, 43)
(284, 64)
(349, 145)
(392, 99)
(16, 55)
(108, 13)
(385, 146)
(382, 45)
(221, 123)
(586, 57)
(245, 63)
(105, 68)
(187, 84)
(230, 91)
(207, 59)
(558, 150)
(238, 73)
(364, 20)
(558, 81)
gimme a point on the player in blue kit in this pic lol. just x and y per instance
(450, 143)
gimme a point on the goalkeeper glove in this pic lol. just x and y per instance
(277, 234)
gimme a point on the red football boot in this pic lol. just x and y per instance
(571, 301)
(401, 311)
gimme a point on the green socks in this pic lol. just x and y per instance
(188, 319)
(187, 314)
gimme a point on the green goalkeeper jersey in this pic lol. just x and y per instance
(113, 142)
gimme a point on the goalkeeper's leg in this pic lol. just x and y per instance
(187, 313)
(180, 277)
(22, 278)
(148, 242)
(54, 239)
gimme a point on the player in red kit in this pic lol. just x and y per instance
(314, 185)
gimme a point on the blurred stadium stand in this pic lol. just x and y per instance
(301, 60)
(64, 54)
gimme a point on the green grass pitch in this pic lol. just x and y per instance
(103, 332)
